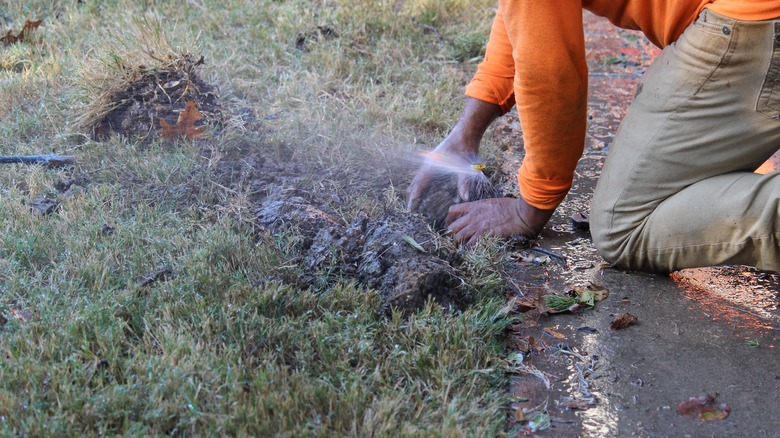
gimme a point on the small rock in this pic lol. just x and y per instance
(43, 205)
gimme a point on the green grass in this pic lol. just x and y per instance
(228, 345)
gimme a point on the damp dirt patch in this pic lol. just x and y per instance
(392, 251)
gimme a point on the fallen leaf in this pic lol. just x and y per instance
(29, 26)
(522, 306)
(21, 315)
(160, 275)
(410, 240)
(580, 221)
(590, 294)
(519, 414)
(554, 334)
(577, 404)
(622, 321)
(185, 125)
(703, 408)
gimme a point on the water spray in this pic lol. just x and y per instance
(442, 190)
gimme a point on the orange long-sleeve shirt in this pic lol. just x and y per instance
(536, 58)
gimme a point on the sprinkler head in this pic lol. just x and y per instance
(442, 192)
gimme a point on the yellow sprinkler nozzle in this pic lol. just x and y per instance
(479, 166)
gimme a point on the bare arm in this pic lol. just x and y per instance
(461, 143)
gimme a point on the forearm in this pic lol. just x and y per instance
(476, 117)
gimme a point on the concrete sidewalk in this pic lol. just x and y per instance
(698, 332)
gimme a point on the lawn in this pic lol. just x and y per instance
(139, 295)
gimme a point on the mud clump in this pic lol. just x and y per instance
(406, 276)
(375, 252)
(137, 100)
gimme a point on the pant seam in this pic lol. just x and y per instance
(775, 236)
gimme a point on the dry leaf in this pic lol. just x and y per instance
(554, 334)
(29, 26)
(622, 321)
(577, 404)
(519, 414)
(580, 221)
(703, 408)
(590, 295)
(410, 240)
(185, 125)
(21, 315)
(161, 275)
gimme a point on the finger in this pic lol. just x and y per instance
(463, 187)
(456, 226)
(412, 199)
(416, 189)
(456, 211)
(466, 234)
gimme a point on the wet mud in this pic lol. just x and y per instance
(394, 252)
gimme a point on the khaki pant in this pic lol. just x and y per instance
(678, 188)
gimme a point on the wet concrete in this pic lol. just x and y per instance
(698, 332)
(681, 347)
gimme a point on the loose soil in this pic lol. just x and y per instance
(394, 252)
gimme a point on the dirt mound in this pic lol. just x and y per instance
(135, 106)
(407, 276)
(393, 252)
(381, 253)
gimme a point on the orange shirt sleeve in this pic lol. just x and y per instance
(495, 77)
(547, 47)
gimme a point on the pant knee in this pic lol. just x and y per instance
(607, 244)
(619, 247)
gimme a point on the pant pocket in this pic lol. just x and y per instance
(769, 98)
(684, 67)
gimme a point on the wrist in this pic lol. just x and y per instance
(476, 118)
(532, 219)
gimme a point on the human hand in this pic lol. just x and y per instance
(458, 151)
(501, 217)
(454, 155)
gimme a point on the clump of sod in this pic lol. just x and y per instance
(144, 78)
